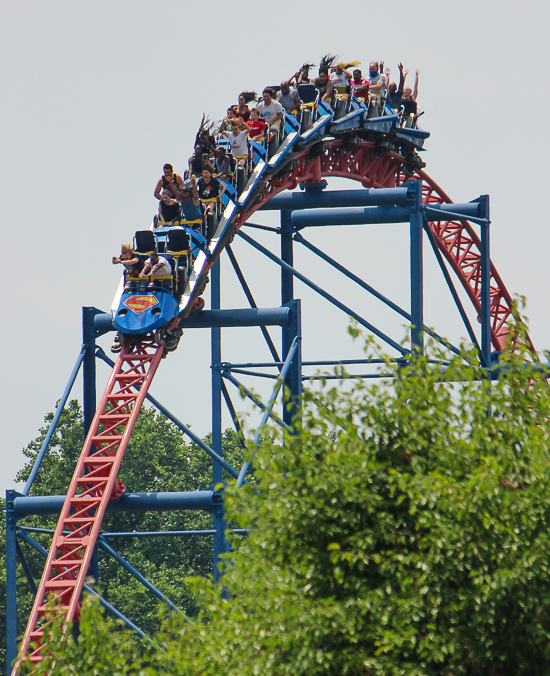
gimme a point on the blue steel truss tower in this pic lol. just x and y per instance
(313, 206)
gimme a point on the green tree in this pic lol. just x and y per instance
(157, 459)
(403, 531)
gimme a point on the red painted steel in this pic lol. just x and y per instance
(457, 240)
(93, 484)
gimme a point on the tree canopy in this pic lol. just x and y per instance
(403, 530)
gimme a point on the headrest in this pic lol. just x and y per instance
(145, 241)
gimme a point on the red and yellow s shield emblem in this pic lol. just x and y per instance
(140, 303)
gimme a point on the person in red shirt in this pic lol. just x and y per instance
(359, 86)
(256, 126)
(242, 110)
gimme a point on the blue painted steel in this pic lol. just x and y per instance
(381, 214)
(53, 424)
(26, 568)
(230, 193)
(383, 124)
(89, 396)
(258, 153)
(138, 576)
(291, 123)
(200, 443)
(417, 279)
(218, 521)
(233, 413)
(453, 212)
(162, 309)
(129, 502)
(223, 231)
(284, 150)
(261, 227)
(253, 181)
(89, 386)
(454, 293)
(316, 131)
(287, 255)
(131, 534)
(485, 293)
(11, 581)
(250, 298)
(257, 374)
(316, 199)
(325, 295)
(293, 381)
(266, 415)
(207, 319)
(353, 120)
(164, 533)
(254, 398)
(349, 216)
(110, 608)
(370, 289)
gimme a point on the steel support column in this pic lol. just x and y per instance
(293, 381)
(216, 349)
(485, 284)
(89, 396)
(417, 290)
(11, 581)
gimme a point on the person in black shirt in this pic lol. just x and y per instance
(409, 107)
(196, 160)
(168, 182)
(394, 95)
(210, 189)
(169, 209)
(133, 265)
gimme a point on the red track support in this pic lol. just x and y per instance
(457, 240)
(93, 484)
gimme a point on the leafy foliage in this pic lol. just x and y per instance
(402, 531)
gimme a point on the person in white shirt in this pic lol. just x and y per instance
(272, 112)
(377, 81)
(238, 139)
(340, 77)
(157, 265)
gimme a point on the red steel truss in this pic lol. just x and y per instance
(457, 240)
(94, 483)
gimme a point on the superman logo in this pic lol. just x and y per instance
(140, 303)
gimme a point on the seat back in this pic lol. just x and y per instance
(307, 93)
(177, 242)
(145, 242)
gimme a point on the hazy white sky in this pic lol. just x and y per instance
(97, 96)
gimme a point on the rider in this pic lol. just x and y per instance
(359, 86)
(190, 205)
(238, 140)
(408, 100)
(157, 265)
(133, 265)
(288, 98)
(340, 77)
(256, 126)
(169, 208)
(222, 163)
(196, 160)
(209, 188)
(169, 182)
